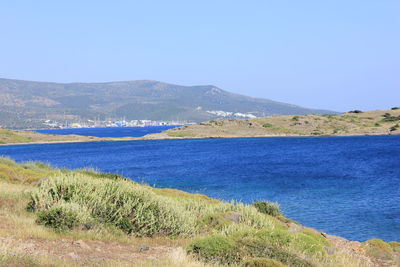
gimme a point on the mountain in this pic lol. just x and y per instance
(26, 104)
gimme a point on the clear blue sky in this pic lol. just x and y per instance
(333, 54)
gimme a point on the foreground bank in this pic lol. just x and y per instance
(378, 122)
(51, 216)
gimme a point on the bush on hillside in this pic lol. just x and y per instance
(267, 208)
(394, 128)
(387, 117)
(240, 247)
(123, 204)
(58, 219)
(215, 249)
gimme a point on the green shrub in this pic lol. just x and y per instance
(124, 204)
(262, 262)
(254, 247)
(58, 219)
(387, 115)
(316, 132)
(355, 111)
(394, 128)
(377, 124)
(391, 119)
(395, 108)
(238, 247)
(215, 249)
(295, 118)
(277, 238)
(267, 208)
(267, 125)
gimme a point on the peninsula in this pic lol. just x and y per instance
(378, 122)
(11, 137)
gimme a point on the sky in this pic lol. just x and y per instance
(332, 54)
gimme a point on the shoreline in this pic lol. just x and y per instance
(71, 141)
(149, 138)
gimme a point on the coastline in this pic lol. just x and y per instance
(153, 137)
(368, 123)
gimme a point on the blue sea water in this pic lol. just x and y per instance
(347, 186)
(109, 131)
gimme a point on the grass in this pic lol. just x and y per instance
(88, 205)
(8, 136)
(180, 134)
(378, 249)
(25, 173)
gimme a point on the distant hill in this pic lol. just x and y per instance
(377, 122)
(26, 104)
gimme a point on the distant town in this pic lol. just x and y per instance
(122, 122)
(110, 123)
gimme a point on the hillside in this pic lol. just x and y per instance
(9, 137)
(86, 218)
(379, 122)
(27, 104)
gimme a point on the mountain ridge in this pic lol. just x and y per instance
(25, 104)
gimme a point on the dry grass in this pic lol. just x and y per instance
(176, 258)
(12, 256)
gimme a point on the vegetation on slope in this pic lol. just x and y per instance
(380, 122)
(41, 203)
